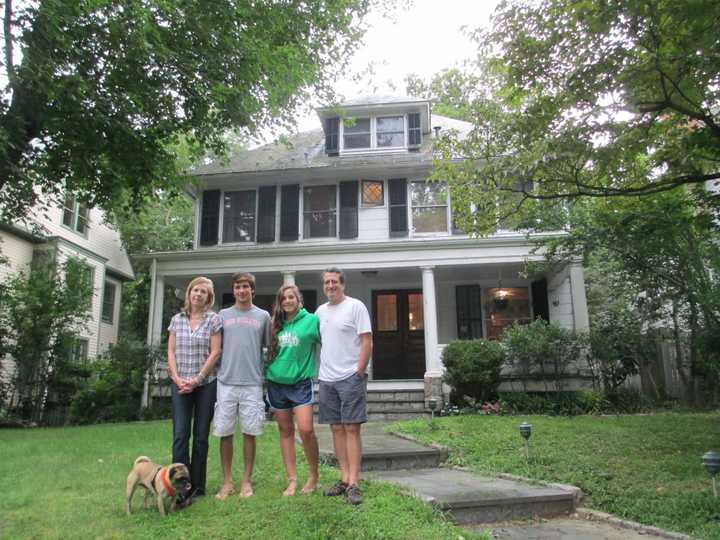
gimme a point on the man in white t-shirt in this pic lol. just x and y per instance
(346, 336)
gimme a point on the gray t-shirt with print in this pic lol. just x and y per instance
(245, 333)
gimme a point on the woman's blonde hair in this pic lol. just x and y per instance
(199, 281)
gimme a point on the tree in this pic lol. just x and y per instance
(586, 99)
(42, 312)
(104, 89)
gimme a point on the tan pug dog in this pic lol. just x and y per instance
(166, 483)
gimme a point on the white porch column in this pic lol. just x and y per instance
(289, 277)
(154, 331)
(432, 361)
(579, 300)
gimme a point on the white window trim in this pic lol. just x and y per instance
(75, 216)
(221, 224)
(301, 216)
(373, 135)
(411, 224)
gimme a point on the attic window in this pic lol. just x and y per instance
(373, 132)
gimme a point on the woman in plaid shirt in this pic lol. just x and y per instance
(194, 347)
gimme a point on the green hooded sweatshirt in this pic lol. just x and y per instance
(295, 359)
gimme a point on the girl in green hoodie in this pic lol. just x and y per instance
(295, 333)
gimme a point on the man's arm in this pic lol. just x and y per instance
(365, 351)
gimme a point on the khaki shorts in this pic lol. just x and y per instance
(243, 404)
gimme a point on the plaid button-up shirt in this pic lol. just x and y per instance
(193, 347)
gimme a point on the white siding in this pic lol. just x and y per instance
(560, 299)
(92, 330)
(19, 253)
(373, 224)
(101, 238)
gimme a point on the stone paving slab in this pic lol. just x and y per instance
(470, 498)
(564, 529)
(383, 451)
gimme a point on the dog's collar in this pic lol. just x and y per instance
(166, 481)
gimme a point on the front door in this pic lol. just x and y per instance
(398, 335)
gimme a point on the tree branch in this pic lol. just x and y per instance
(7, 28)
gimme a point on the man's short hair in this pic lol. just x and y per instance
(334, 270)
(239, 277)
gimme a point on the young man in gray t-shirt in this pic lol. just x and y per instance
(246, 330)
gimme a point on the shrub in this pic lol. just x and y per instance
(473, 368)
(115, 393)
(543, 350)
(621, 400)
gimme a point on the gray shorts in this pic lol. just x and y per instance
(343, 402)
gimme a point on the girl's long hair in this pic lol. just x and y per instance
(278, 317)
(211, 293)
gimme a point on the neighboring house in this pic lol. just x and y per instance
(65, 230)
(354, 195)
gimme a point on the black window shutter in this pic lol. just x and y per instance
(332, 135)
(266, 214)
(290, 212)
(210, 218)
(469, 313)
(397, 190)
(414, 130)
(540, 299)
(349, 209)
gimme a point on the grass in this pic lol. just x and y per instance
(70, 483)
(643, 468)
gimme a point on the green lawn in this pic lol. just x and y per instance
(70, 483)
(643, 468)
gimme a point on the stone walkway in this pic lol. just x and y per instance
(480, 503)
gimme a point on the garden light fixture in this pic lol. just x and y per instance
(525, 432)
(711, 461)
(432, 403)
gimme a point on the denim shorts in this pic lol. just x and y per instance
(283, 397)
(344, 401)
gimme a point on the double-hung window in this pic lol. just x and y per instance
(239, 216)
(108, 306)
(320, 211)
(429, 207)
(75, 215)
(390, 131)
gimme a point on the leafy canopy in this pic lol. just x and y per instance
(104, 89)
(584, 99)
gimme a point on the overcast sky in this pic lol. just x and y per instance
(422, 39)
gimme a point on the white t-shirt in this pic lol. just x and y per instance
(340, 328)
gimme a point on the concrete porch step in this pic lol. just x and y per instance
(469, 498)
(383, 452)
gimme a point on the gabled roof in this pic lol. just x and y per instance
(307, 150)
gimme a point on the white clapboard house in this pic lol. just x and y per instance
(353, 195)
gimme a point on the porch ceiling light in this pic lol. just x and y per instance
(711, 461)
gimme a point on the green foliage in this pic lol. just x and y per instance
(581, 99)
(162, 223)
(88, 465)
(619, 401)
(104, 90)
(656, 260)
(472, 368)
(543, 351)
(115, 392)
(42, 312)
(644, 468)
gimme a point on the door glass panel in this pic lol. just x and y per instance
(416, 319)
(387, 313)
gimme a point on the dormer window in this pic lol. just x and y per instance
(374, 132)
